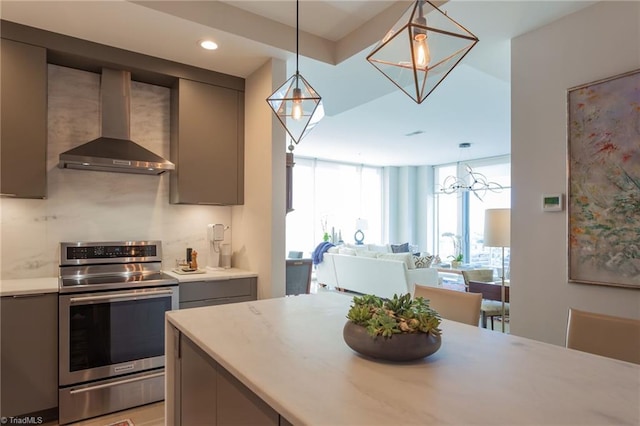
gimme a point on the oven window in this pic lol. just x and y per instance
(108, 333)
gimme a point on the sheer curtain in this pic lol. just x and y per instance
(330, 197)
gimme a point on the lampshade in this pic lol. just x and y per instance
(296, 104)
(497, 227)
(421, 49)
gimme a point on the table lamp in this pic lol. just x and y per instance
(497, 233)
(361, 224)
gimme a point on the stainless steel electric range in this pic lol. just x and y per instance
(113, 297)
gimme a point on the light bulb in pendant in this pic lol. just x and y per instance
(421, 53)
(296, 110)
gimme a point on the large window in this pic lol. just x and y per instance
(330, 197)
(460, 215)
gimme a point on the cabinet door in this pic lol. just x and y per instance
(198, 382)
(29, 355)
(211, 395)
(207, 144)
(203, 290)
(238, 405)
(23, 120)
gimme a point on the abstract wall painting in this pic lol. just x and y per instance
(604, 181)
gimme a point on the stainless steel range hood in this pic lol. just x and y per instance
(114, 151)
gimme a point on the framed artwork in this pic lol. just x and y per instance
(604, 181)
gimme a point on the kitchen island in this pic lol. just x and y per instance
(284, 361)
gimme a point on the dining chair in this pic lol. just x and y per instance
(606, 335)
(298, 276)
(491, 300)
(490, 307)
(452, 304)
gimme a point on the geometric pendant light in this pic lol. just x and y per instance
(296, 104)
(421, 49)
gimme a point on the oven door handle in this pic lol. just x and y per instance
(129, 295)
(112, 384)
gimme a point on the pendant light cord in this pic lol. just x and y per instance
(297, 32)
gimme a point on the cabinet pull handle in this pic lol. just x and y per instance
(120, 296)
(22, 296)
(119, 382)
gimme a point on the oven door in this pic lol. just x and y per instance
(112, 333)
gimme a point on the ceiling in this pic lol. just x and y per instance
(367, 119)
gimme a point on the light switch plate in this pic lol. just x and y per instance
(552, 202)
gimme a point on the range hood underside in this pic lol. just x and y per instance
(116, 155)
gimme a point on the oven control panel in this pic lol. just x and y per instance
(111, 252)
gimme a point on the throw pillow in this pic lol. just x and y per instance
(407, 258)
(379, 248)
(367, 253)
(347, 251)
(400, 248)
(423, 261)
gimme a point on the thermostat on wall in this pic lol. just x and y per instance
(552, 203)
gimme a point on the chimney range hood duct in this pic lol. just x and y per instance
(114, 151)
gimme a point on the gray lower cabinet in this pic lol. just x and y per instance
(207, 293)
(29, 356)
(206, 393)
(207, 144)
(23, 121)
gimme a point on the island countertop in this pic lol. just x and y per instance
(290, 352)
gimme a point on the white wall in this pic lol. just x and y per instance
(597, 42)
(99, 206)
(259, 224)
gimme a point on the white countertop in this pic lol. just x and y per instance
(18, 287)
(290, 352)
(211, 275)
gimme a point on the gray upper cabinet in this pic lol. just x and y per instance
(207, 144)
(23, 121)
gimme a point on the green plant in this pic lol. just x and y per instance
(400, 314)
(457, 258)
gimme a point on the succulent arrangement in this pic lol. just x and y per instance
(400, 314)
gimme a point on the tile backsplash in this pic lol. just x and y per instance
(100, 206)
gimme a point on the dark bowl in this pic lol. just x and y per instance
(399, 347)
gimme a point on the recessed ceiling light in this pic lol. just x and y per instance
(208, 44)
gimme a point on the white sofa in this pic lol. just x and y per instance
(383, 276)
